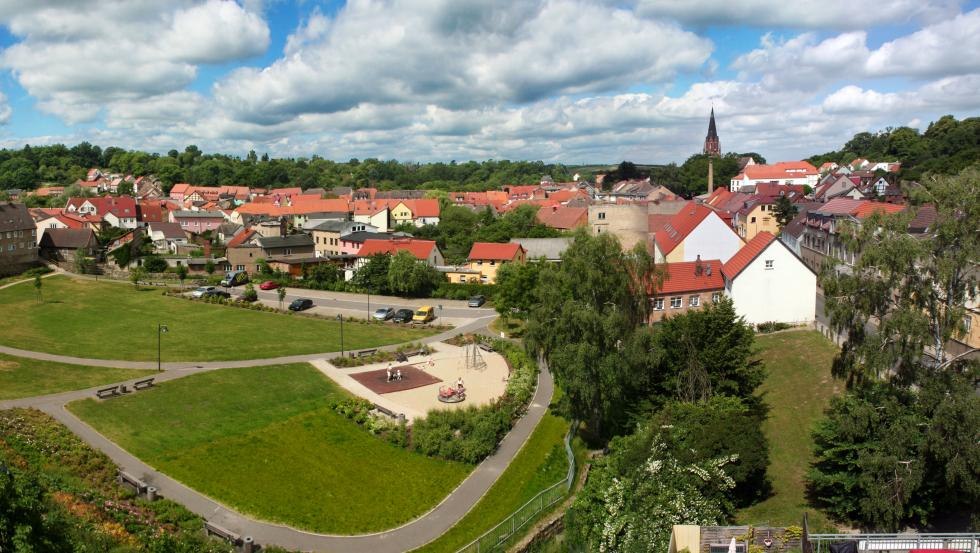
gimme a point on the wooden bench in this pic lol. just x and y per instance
(138, 485)
(366, 352)
(142, 384)
(111, 391)
(385, 410)
(401, 357)
(485, 347)
(212, 529)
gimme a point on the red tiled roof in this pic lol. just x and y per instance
(419, 248)
(563, 217)
(781, 170)
(656, 221)
(680, 225)
(868, 208)
(491, 250)
(682, 277)
(240, 238)
(426, 207)
(749, 252)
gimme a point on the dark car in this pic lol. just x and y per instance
(477, 301)
(216, 294)
(403, 316)
(301, 304)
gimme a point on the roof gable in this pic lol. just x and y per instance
(685, 276)
(494, 251)
(744, 257)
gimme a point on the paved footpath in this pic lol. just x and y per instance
(414, 534)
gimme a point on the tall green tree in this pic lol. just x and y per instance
(28, 523)
(785, 211)
(514, 293)
(372, 277)
(409, 276)
(586, 313)
(906, 294)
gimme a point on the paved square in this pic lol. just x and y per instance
(377, 381)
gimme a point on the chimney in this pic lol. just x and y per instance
(698, 269)
(711, 176)
(708, 270)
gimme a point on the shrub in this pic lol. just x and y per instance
(771, 326)
(155, 264)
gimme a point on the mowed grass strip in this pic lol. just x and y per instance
(23, 377)
(110, 320)
(265, 441)
(541, 462)
(797, 389)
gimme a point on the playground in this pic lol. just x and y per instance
(483, 375)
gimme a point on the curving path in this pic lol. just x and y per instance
(409, 536)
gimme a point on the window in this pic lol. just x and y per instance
(288, 251)
(676, 302)
(462, 278)
(967, 323)
(715, 297)
(492, 263)
(10, 248)
(769, 263)
(753, 220)
(601, 216)
(658, 304)
(694, 301)
(239, 267)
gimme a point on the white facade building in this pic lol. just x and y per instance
(767, 282)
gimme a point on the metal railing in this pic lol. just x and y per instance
(504, 533)
(970, 542)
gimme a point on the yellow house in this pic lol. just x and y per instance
(401, 213)
(756, 218)
(486, 257)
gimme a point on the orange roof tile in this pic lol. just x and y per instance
(419, 248)
(682, 277)
(747, 254)
(564, 217)
(494, 251)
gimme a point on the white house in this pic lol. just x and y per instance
(694, 231)
(784, 172)
(767, 282)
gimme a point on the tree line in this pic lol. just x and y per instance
(58, 164)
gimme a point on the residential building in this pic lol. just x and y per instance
(548, 249)
(686, 285)
(114, 211)
(488, 257)
(784, 172)
(767, 282)
(756, 215)
(327, 235)
(197, 221)
(627, 222)
(245, 250)
(695, 231)
(373, 213)
(353, 242)
(821, 237)
(423, 250)
(166, 236)
(18, 239)
(61, 245)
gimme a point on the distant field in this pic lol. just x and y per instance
(264, 441)
(21, 377)
(110, 320)
(798, 388)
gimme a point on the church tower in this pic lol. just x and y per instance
(711, 145)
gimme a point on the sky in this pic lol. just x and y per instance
(568, 81)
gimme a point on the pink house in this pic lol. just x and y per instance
(197, 221)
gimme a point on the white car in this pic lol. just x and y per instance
(200, 291)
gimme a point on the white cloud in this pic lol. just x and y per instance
(945, 48)
(819, 14)
(457, 56)
(5, 110)
(75, 59)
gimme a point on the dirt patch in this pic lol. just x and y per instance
(8, 366)
(377, 381)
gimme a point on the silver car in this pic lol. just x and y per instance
(384, 313)
(201, 291)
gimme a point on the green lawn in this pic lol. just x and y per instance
(108, 320)
(21, 377)
(798, 388)
(541, 463)
(263, 440)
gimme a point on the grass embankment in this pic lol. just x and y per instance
(22, 377)
(265, 441)
(109, 320)
(541, 462)
(797, 389)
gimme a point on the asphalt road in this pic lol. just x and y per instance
(359, 306)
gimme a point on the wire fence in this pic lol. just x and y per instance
(503, 535)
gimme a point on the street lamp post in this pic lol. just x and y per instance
(369, 304)
(161, 330)
(341, 319)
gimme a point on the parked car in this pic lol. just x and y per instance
(477, 301)
(384, 313)
(301, 304)
(424, 314)
(403, 316)
(269, 285)
(200, 291)
(234, 278)
(216, 294)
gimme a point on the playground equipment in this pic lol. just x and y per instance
(451, 394)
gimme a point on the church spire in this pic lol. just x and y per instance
(712, 146)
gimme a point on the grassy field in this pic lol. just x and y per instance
(798, 388)
(21, 377)
(541, 463)
(263, 440)
(114, 321)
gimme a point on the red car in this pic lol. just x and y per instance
(269, 285)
